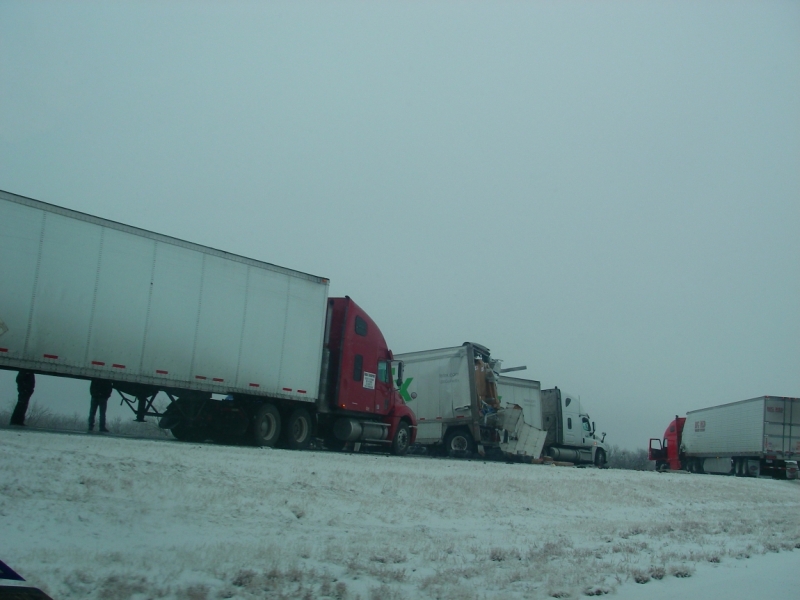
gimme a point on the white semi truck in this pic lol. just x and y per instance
(89, 298)
(571, 434)
(453, 392)
(754, 437)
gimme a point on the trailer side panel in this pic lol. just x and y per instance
(439, 389)
(762, 426)
(87, 297)
(725, 430)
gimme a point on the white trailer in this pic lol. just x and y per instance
(91, 298)
(749, 437)
(453, 393)
(570, 432)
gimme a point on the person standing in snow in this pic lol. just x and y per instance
(100, 391)
(26, 382)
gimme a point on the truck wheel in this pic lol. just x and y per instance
(401, 440)
(600, 458)
(180, 432)
(266, 426)
(297, 431)
(187, 433)
(458, 443)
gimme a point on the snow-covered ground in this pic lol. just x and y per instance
(85, 516)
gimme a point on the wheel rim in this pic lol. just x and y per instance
(402, 438)
(267, 426)
(459, 444)
(299, 430)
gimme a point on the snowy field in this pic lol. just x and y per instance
(85, 516)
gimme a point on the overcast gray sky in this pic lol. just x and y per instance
(607, 192)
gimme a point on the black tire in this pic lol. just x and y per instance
(600, 459)
(297, 430)
(266, 426)
(458, 443)
(401, 440)
(187, 433)
(180, 432)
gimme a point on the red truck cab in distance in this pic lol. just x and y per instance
(666, 454)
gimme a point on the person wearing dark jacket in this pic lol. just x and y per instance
(26, 382)
(100, 390)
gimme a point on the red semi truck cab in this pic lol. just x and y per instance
(360, 399)
(666, 453)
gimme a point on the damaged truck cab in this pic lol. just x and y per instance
(571, 435)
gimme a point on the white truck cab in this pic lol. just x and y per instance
(571, 434)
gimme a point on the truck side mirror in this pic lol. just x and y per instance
(399, 374)
(594, 428)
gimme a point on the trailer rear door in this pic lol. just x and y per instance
(782, 425)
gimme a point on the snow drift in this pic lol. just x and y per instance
(107, 517)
